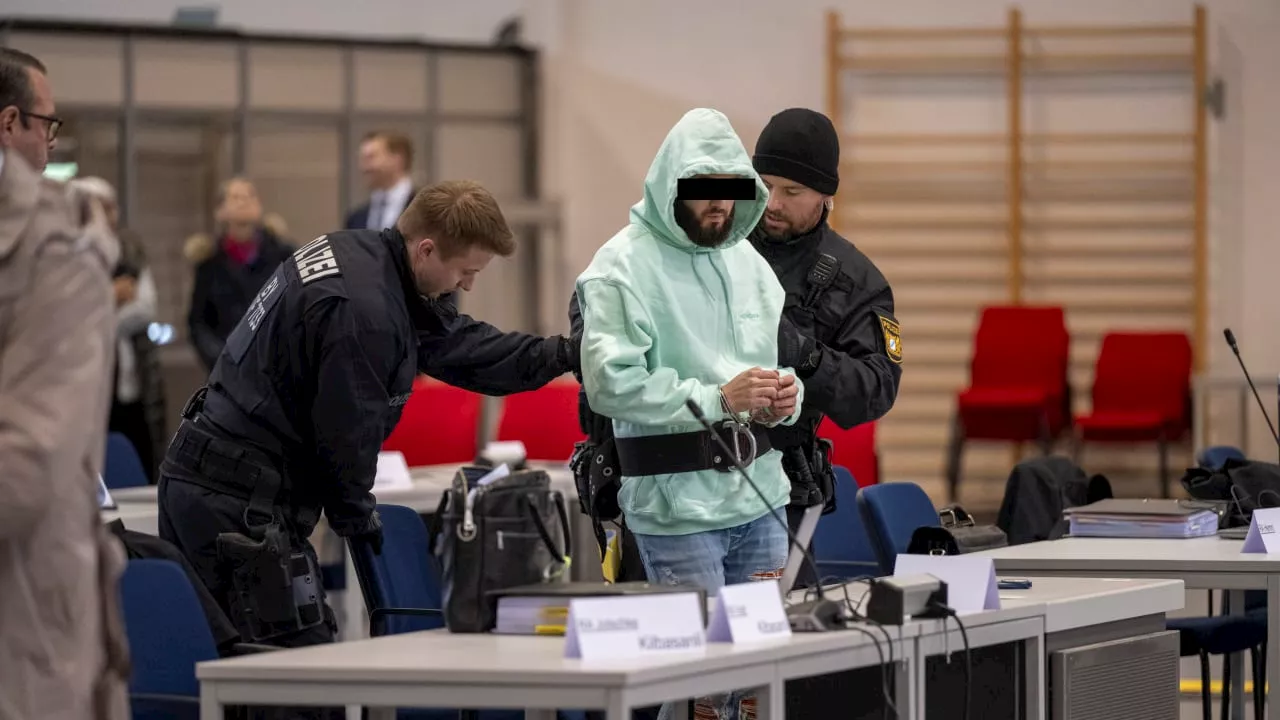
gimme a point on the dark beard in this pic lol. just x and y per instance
(791, 233)
(698, 235)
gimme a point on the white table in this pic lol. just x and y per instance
(439, 669)
(1200, 563)
(1053, 613)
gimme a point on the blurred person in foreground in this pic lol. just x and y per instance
(138, 403)
(838, 326)
(62, 649)
(231, 266)
(676, 307)
(310, 384)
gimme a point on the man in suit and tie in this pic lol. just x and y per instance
(385, 160)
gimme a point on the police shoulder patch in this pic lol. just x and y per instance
(315, 260)
(892, 338)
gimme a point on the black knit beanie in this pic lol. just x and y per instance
(800, 145)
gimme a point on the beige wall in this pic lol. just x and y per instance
(618, 75)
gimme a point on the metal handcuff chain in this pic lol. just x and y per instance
(740, 428)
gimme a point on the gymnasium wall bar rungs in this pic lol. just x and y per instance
(1019, 59)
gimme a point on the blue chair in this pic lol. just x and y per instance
(1214, 457)
(168, 634)
(401, 587)
(123, 467)
(892, 512)
(1223, 635)
(841, 544)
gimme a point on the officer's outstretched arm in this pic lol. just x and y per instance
(349, 412)
(479, 357)
(54, 379)
(857, 375)
(617, 333)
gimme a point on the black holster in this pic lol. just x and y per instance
(812, 475)
(275, 591)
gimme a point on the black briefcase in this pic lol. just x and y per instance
(958, 535)
(511, 532)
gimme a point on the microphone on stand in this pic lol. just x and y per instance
(809, 616)
(1231, 340)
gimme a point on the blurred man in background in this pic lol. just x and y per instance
(231, 266)
(385, 160)
(838, 328)
(62, 648)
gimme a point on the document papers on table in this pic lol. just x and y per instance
(1119, 517)
(543, 609)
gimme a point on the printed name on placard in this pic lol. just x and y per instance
(617, 627)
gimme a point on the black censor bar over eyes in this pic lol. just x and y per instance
(715, 189)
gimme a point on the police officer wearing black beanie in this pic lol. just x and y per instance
(838, 329)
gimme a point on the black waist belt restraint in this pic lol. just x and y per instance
(274, 587)
(692, 451)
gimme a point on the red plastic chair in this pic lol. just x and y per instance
(854, 449)
(1141, 393)
(545, 420)
(440, 425)
(1018, 389)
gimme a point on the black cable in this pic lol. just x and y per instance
(968, 661)
(889, 704)
(855, 615)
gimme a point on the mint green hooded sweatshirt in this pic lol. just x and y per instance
(665, 320)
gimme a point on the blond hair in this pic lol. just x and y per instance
(457, 215)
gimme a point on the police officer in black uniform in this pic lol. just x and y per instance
(310, 384)
(838, 328)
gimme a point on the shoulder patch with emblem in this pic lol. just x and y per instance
(316, 260)
(892, 338)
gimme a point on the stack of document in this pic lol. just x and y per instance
(1118, 517)
(532, 615)
(544, 608)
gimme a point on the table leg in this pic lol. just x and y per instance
(618, 708)
(1273, 646)
(771, 701)
(539, 714)
(1235, 602)
(355, 625)
(210, 707)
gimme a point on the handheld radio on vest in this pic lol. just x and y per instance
(820, 277)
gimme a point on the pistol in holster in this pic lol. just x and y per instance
(275, 590)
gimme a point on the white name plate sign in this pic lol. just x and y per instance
(749, 612)
(627, 626)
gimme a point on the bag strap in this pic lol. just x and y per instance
(531, 505)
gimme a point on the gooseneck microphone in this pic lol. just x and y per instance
(809, 616)
(1231, 340)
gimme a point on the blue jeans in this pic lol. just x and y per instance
(756, 550)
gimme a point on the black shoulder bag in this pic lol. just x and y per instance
(513, 531)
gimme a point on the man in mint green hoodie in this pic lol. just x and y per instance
(676, 307)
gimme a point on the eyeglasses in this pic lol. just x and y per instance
(55, 124)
